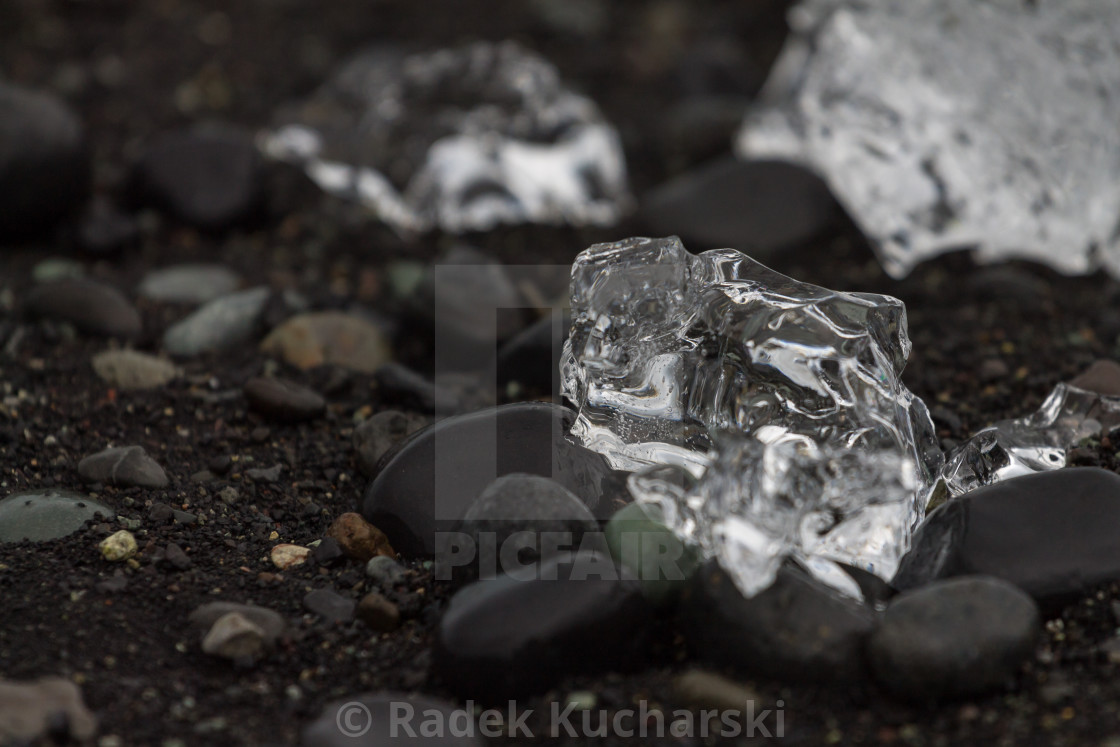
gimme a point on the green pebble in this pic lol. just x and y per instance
(638, 539)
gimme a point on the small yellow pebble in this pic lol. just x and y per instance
(118, 546)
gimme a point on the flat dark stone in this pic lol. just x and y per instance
(387, 718)
(283, 400)
(474, 450)
(90, 306)
(504, 638)
(956, 638)
(795, 630)
(330, 605)
(757, 207)
(1052, 534)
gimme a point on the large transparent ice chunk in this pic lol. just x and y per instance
(771, 411)
(459, 139)
(947, 124)
(1034, 443)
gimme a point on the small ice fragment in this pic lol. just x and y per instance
(950, 124)
(770, 413)
(1035, 443)
(459, 139)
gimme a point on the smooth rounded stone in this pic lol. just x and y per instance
(189, 283)
(29, 711)
(385, 571)
(957, 638)
(758, 207)
(41, 515)
(374, 437)
(638, 539)
(234, 636)
(387, 714)
(221, 324)
(118, 546)
(504, 638)
(285, 556)
(472, 301)
(129, 370)
(271, 623)
(330, 605)
(700, 127)
(474, 450)
(91, 306)
(531, 358)
(795, 630)
(359, 539)
(528, 518)
(456, 393)
(126, 466)
(378, 613)
(1102, 377)
(104, 230)
(702, 689)
(329, 338)
(1052, 534)
(206, 176)
(44, 162)
(282, 400)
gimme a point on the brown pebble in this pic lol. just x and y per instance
(1103, 377)
(378, 613)
(359, 539)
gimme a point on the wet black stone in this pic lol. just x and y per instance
(92, 307)
(387, 716)
(962, 637)
(518, 514)
(504, 638)
(329, 605)
(795, 630)
(282, 400)
(757, 207)
(474, 450)
(1052, 534)
(44, 162)
(208, 177)
(532, 357)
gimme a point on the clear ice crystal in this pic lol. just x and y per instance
(948, 124)
(766, 416)
(1034, 443)
(459, 139)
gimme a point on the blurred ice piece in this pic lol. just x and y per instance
(783, 399)
(459, 139)
(946, 124)
(1035, 443)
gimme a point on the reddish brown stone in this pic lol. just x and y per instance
(359, 539)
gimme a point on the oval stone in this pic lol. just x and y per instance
(40, 515)
(458, 457)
